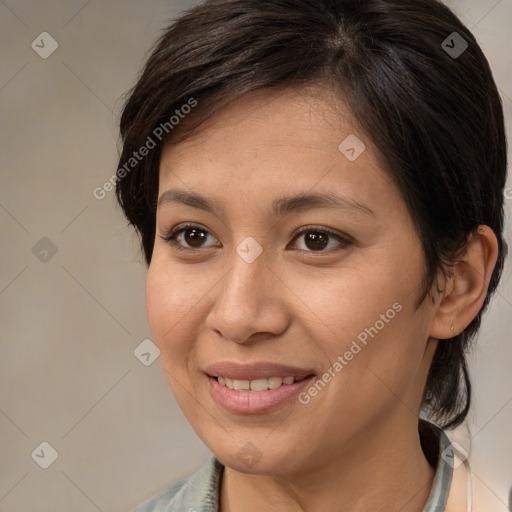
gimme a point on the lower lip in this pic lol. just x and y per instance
(254, 402)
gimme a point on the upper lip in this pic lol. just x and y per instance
(253, 371)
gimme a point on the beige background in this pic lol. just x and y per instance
(69, 325)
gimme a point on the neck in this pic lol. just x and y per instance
(382, 470)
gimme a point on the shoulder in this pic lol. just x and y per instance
(198, 493)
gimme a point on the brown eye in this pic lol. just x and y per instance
(194, 237)
(188, 237)
(316, 240)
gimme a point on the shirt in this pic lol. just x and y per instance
(200, 492)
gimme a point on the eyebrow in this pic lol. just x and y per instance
(280, 207)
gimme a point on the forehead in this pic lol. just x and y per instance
(294, 116)
(277, 141)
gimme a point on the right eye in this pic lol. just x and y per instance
(191, 234)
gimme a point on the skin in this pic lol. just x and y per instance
(297, 306)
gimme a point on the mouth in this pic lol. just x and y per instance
(257, 371)
(257, 388)
(261, 384)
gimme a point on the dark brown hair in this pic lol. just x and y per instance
(436, 117)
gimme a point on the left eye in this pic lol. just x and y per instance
(316, 240)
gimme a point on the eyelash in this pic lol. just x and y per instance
(345, 242)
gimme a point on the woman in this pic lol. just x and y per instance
(318, 187)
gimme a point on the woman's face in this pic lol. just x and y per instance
(268, 284)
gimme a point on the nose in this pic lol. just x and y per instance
(249, 304)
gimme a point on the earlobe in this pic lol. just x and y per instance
(466, 288)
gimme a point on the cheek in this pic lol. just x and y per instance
(387, 367)
(161, 301)
(370, 320)
(353, 304)
(172, 302)
(173, 305)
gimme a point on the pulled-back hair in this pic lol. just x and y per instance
(435, 116)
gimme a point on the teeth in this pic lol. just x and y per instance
(256, 384)
(241, 384)
(259, 385)
(274, 382)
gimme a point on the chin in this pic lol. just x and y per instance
(258, 458)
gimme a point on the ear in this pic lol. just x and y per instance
(466, 288)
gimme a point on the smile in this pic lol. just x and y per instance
(256, 396)
(257, 384)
